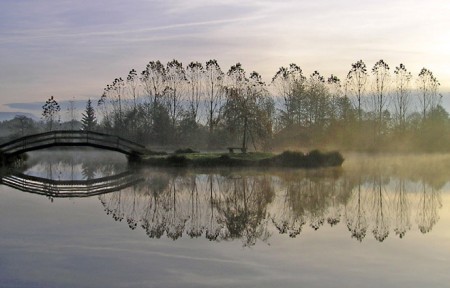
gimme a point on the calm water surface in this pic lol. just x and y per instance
(84, 219)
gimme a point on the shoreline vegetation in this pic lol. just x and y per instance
(290, 159)
(169, 106)
(191, 158)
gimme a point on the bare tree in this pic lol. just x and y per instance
(115, 94)
(356, 80)
(289, 83)
(381, 75)
(340, 106)
(194, 76)
(248, 109)
(176, 80)
(428, 87)
(236, 103)
(316, 100)
(132, 86)
(153, 80)
(71, 109)
(402, 99)
(214, 78)
(336, 93)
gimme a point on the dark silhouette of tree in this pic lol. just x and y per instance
(248, 110)
(114, 95)
(50, 112)
(382, 79)
(214, 90)
(199, 106)
(132, 85)
(194, 76)
(175, 80)
(434, 133)
(356, 81)
(402, 96)
(317, 102)
(88, 119)
(342, 114)
(153, 79)
(334, 87)
(71, 109)
(428, 86)
(21, 126)
(290, 84)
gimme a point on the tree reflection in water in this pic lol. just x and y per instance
(380, 213)
(251, 206)
(427, 210)
(355, 213)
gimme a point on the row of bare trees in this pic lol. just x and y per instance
(204, 106)
(172, 104)
(366, 110)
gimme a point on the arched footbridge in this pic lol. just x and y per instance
(71, 138)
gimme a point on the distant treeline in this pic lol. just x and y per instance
(204, 107)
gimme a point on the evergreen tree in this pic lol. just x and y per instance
(88, 119)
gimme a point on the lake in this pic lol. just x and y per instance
(88, 219)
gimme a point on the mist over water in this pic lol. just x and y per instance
(230, 225)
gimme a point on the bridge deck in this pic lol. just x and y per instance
(71, 138)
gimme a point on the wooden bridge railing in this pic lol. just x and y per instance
(71, 138)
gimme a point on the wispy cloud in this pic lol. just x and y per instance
(71, 48)
(31, 35)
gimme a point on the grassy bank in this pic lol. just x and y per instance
(313, 159)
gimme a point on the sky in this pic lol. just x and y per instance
(72, 49)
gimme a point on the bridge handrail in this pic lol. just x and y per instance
(80, 132)
(52, 139)
(73, 134)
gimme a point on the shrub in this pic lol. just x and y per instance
(313, 159)
(334, 159)
(156, 153)
(185, 151)
(177, 160)
(290, 159)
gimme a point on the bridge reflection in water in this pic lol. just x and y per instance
(253, 205)
(70, 188)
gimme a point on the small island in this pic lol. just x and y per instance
(292, 159)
